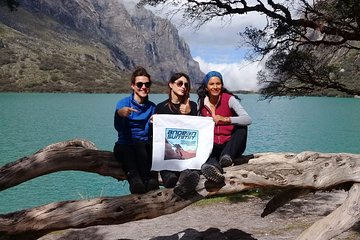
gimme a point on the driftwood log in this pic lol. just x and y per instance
(296, 174)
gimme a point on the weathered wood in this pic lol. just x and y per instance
(308, 171)
(77, 154)
(35, 222)
(337, 222)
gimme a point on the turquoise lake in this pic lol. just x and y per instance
(31, 121)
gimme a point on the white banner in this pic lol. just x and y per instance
(181, 142)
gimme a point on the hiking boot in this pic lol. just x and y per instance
(183, 175)
(212, 173)
(169, 178)
(188, 182)
(152, 184)
(136, 185)
(225, 161)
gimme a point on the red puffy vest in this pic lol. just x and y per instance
(222, 133)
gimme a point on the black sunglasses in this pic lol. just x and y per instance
(140, 84)
(181, 83)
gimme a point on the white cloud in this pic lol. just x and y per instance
(237, 76)
(220, 31)
(216, 46)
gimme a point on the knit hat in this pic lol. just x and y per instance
(210, 75)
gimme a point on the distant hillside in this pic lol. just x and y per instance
(347, 63)
(87, 46)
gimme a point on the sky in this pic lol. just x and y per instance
(216, 46)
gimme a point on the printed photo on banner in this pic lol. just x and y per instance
(181, 142)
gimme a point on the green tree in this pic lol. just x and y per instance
(295, 33)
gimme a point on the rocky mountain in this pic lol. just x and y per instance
(87, 46)
(344, 61)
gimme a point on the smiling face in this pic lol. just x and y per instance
(141, 88)
(180, 87)
(214, 87)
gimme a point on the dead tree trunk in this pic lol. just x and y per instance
(338, 221)
(295, 173)
(60, 157)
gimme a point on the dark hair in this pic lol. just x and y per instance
(202, 93)
(173, 78)
(139, 71)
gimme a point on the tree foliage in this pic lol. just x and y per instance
(294, 34)
(296, 30)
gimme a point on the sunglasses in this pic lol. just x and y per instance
(181, 83)
(140, 84)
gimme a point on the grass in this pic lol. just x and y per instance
(43, 56)
(239, 197)
(88, 196)
(39, 58)
(63, 62)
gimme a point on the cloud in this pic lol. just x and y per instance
(219, 33)
(216, 45)
(237, 76)
(224, 31)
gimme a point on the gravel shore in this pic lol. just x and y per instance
(223, 220)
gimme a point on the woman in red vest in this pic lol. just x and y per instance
(231, 121)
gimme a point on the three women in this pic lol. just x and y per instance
(132, 121)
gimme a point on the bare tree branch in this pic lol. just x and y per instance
(60, 157)
(301, 26)
(304, 172)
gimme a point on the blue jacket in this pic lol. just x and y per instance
(135, 127)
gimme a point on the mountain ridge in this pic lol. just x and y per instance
(87, 46)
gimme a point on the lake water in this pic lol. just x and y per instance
(31, 121)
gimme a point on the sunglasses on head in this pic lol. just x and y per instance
(181, 83)
(140, 84)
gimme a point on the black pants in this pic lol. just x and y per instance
(235, 147)
(136, 159)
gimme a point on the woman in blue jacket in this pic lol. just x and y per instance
(132, 122)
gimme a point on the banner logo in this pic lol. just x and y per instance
(180, 143)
